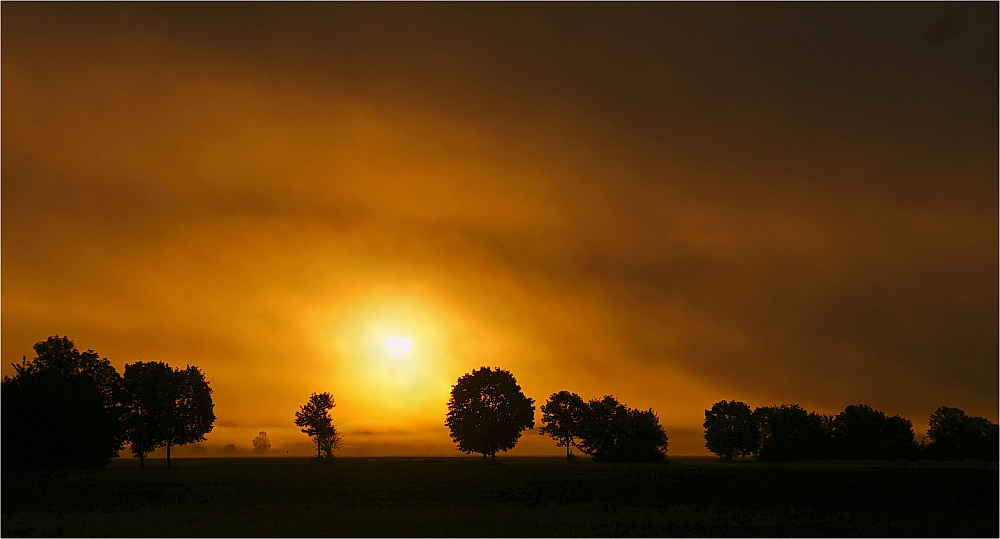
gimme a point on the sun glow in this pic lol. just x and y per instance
(399, 345)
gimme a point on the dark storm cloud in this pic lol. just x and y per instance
(787, 202)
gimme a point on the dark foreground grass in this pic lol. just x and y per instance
(389, 497)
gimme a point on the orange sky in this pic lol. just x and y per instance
(671, 203)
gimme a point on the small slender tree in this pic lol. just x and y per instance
(562, 417)
(314, 418)
(487, 412)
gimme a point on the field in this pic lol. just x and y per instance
(515, 497)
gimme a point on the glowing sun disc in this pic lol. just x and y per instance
(399, 345)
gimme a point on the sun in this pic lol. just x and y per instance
(399, 345)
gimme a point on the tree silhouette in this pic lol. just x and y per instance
(861, 432)
(315, 419)
(66, 403)
(261, 444)
(788, 432)
(563, 416)
(730, 430)
(166, 407)
(148, 403)
(955, 435)
(614, 432)
(192, 412)
(487, 412)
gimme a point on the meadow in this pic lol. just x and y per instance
(518, 496)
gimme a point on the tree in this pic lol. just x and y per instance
(788, 432)
(148, 403)
(861, 432)
(166, 407)
(66, 404)
(563, 416)
(261, 444)
(192, 412)
(730, 430)
(614, 432)
(487, 412)
(315, 419)
(955, 435)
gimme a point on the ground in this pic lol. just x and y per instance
(518, 496)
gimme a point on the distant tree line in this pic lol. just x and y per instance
(788, 432)
(68, 408)
(488, 412)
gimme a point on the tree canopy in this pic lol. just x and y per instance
(148, 403)
(955, 435)
(615, 432)
(261, 444)
(788, 432)
(62, 409)
(730, 430)
(166, 407)
(861, 432)
(563, 417)
(314, 418)
(487, 412)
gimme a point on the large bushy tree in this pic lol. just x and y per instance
(166, 407)
(788, 432)
(148, 402)
(730, 430)
(955, 435)
(487, 412)
(563, 417)
(314, 418)
(861, 432)
(192, 412)
(614, 432)
(61, 409)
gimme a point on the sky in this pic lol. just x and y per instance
(671, 203)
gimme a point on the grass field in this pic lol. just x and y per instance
(516, 497)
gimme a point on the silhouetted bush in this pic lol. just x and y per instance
(861, 432)
(730, 430)
(613, 432)
(61, 409)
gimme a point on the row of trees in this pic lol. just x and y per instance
(788, 432)
(77, 411)
(488, 412)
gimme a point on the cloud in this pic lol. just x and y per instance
(753, 204)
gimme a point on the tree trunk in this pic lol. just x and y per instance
(168, 454)
(318, 455)
(142, 461)
(493, 457)
(567, 451)
(484, 457)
